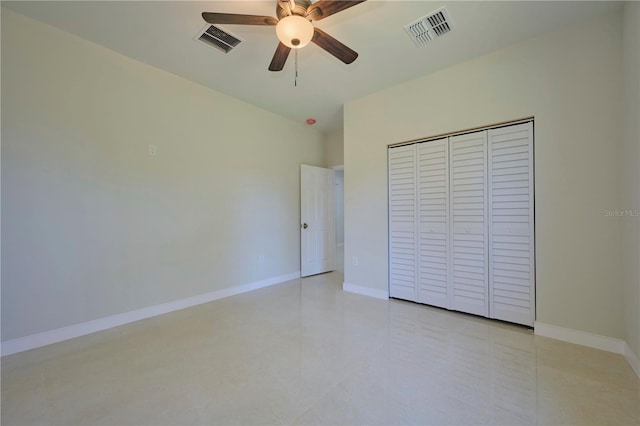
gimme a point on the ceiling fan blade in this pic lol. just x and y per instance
(333, 46)
(234, 19)
(323, 8)
(279, 58)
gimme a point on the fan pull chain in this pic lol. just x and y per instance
(295, 80)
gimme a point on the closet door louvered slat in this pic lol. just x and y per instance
(433, 223)
(511, 224)
(468, 230)
(402, 223)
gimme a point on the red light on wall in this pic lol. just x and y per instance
(311, 121)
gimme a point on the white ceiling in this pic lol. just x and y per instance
(162, 34)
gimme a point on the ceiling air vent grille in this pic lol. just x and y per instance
(216, 37)
(429, 27)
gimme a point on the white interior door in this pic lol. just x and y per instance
(317, 228)
(469, 257)
(402, 223)
(511, 233)
(433, 226)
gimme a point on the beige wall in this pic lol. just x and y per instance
(570, 81)
(630, 161)
(91, 225)
(334, 150)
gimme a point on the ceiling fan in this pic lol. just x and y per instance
(294, 27)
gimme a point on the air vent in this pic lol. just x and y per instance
(216, 37)
(429, 27)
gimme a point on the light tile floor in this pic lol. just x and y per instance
(304, 352)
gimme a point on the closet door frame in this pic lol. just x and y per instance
(450, 223)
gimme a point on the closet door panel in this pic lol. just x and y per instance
(468, 223)
(511, 232)
(433, 219)
(402, 223)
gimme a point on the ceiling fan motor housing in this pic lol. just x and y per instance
(283, 8)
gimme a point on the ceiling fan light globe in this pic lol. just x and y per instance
(294, 31)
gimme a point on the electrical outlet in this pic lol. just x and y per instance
(355, 261)
(153, 150)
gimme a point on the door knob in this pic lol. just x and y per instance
(305, 226)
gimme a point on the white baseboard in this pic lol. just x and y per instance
(365, 291)
(578, 337)
(632, 359)
(33, 341)
(591, 340)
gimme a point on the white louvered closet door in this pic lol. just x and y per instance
(511, 224)
(402, 223)
(469, 246)
(433, 222)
